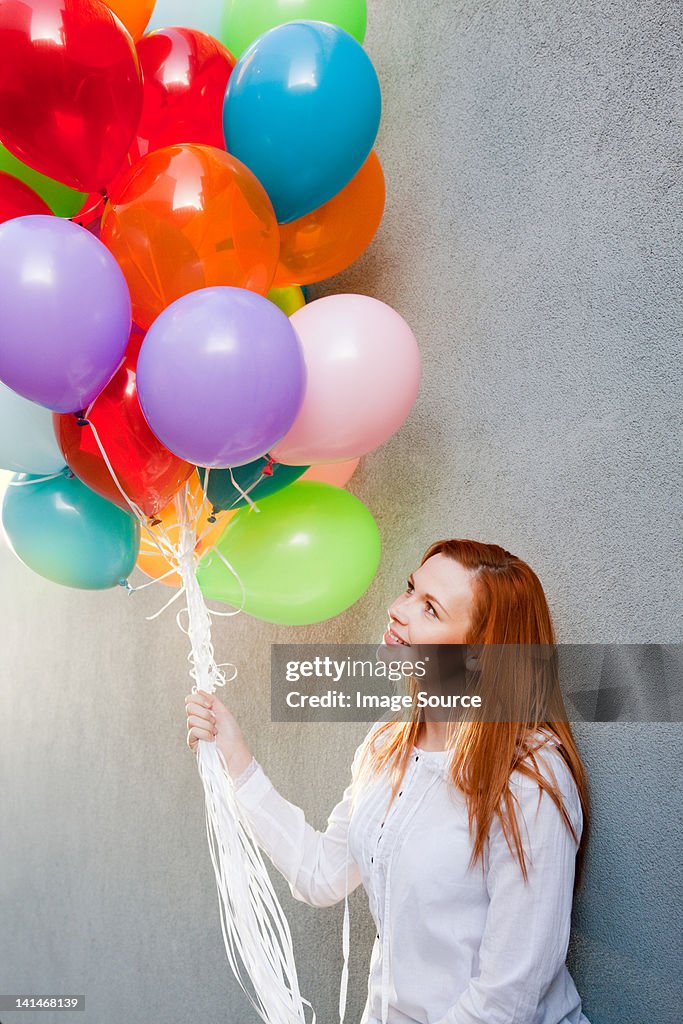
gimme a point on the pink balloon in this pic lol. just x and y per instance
(363, 375)
(336, 473)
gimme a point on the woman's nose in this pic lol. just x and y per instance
(398, 612)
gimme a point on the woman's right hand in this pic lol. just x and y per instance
(209, 719)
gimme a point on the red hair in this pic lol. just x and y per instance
(509, 607)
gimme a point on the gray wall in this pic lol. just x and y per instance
(532, 152)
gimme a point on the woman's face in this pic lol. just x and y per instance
(435, 607)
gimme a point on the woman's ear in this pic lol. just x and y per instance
(472, 657)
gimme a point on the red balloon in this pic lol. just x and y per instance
(148, 472)
(70, 89)
(185, 74)
(18, 200)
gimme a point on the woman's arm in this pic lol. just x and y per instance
(314, 863)
(526, 934)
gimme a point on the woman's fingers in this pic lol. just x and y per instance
(200, 711)
(201, 719)
(200, 698)
(199, 722)
(196, 733)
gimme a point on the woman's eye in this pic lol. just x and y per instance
(430, 607)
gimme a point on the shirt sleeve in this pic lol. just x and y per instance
(526, 934)
(246, 774)
(317, 865)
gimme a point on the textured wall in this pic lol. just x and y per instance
(533, 153)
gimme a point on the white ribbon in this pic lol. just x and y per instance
(255, 930)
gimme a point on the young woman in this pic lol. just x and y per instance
(465, 835)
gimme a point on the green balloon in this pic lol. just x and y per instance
(245, 20)
(287, 299)
(68, 534)
(63, 201)
(309, 554)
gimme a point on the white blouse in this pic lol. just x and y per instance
(454, 945)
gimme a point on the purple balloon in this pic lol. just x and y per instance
(221, 376)
(66, 312)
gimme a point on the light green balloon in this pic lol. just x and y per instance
(287, 299)
(245, 20)
(63, 201)
(309, 554)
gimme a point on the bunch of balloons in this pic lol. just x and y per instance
(163, 199)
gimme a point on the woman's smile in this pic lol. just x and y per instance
(390, 637)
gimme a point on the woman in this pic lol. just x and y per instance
(465, 835)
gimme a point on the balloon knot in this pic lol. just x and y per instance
(268, 468)
(92, 208)
(155, 521)
(70, 474)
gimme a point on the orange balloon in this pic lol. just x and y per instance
(151, 561)
(336, 473)
(187, 217)
(329, 239)
(133, 13)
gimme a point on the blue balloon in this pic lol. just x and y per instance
(27, 437)
(302, 110)
(68, 534)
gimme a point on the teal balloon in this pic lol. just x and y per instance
(223, 495)
(68, 534)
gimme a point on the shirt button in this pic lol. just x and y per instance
(400, 793)
(372, 860)
(377, 934)
(417, 757)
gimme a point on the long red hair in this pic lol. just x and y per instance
(509, 607)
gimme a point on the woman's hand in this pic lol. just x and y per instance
(209, 719)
